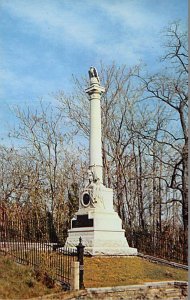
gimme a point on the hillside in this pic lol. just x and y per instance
(115, 271)
(19, 282)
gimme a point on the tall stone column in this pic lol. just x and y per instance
(96, 221)
(95, 144)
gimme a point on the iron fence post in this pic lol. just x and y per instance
(80, 255)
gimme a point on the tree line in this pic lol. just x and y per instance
(144, 151)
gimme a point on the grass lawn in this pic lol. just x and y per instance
(115, 271)
(19, 282)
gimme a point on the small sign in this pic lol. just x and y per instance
(81, 267)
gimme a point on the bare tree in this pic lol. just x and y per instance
(47, 147)
(170, 88)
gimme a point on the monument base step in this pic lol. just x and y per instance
(105, 251)
(111, 251)
(101, 242)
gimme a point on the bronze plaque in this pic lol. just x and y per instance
(82, 221)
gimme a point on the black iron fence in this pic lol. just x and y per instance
(162, 246)
(45, 253)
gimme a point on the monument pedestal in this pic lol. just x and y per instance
(100, 228)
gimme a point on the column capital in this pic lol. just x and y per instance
(95, 88)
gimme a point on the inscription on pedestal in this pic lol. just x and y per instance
(82, 221)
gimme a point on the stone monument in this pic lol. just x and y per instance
(96, 221)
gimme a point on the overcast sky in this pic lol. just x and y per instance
(44, 42)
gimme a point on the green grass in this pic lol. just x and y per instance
(19, 282)
(115, 271)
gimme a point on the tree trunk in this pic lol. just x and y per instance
(185, 201)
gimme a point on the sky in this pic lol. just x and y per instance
(44, 42)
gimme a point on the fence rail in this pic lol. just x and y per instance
(162, 246)
(47, 257)
(163, 261)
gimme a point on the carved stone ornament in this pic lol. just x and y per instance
(93, 73)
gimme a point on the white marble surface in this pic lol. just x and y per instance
(106, 237)
(95, 144)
